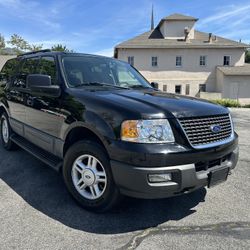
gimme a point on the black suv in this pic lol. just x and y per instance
(109, 131)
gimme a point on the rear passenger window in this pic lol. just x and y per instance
(28, 67)
(47, 66)
(8, 71)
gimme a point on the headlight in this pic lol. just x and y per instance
(147, 131)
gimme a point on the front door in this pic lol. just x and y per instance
(43, 114)
(16, 93)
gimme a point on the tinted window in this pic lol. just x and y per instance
(28, 66)
(47, 66)
(8, 71)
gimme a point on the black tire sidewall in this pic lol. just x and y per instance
(111, 193)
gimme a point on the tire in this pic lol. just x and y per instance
(88, 177)
(6, 132)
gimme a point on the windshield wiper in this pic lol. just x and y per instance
(99, 84)
(140, 87)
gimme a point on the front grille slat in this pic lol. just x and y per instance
(198, 129)
(207, 131)
(204, 129)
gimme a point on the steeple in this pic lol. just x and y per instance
(152, 18)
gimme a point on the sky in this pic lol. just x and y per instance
(97, 26)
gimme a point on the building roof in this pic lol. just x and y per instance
(4, 59)
(235, 70)
(154, 39)
(179, 17)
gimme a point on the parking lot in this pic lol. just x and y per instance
(36, 211)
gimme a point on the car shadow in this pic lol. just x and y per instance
(43, 189)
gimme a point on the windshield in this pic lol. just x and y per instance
(101, 71)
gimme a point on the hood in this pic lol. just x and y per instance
(151, 103)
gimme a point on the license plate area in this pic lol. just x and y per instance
(217, 176)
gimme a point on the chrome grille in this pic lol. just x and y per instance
(199, 132)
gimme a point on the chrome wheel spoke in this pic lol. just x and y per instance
(92, 190)
(100, 174)
(100, 177)
(83, 186)
(97, 190)
(79, 182)
(92, 162)
(80, 166)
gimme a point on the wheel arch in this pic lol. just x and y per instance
(3, 110)
(79, 133)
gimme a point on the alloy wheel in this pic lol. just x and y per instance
(5, 130)
(89, 177)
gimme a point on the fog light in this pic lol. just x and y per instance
(154, 178)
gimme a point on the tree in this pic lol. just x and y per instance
(19, 43)
(60, 47)
(247, 58)
(34, 47)
(2, 42)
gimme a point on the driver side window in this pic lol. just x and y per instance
(28, 66)
(47, 66)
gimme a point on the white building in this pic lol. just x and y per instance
(186, 61)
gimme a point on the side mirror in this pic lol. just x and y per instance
(155, 85)
(41, 84)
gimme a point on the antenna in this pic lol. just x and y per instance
(152, 18)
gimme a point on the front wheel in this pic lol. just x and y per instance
(6, 132)
(88, 176)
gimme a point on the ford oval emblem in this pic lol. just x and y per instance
(215, 128)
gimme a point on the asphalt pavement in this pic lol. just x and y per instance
(36, 211)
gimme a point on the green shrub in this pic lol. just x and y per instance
(227, 102)
(246, 106)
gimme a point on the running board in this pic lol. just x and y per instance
(44, 156)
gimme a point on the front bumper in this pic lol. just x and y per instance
(186, 177)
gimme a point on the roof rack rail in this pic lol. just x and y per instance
(34, 52)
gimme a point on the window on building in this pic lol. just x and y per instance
(131, 60)
(187, 89)
(178, 62)
(226, 61)
(203, 60)
(202, 87)
(154, 61)
(165, 88)
(178, 89)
